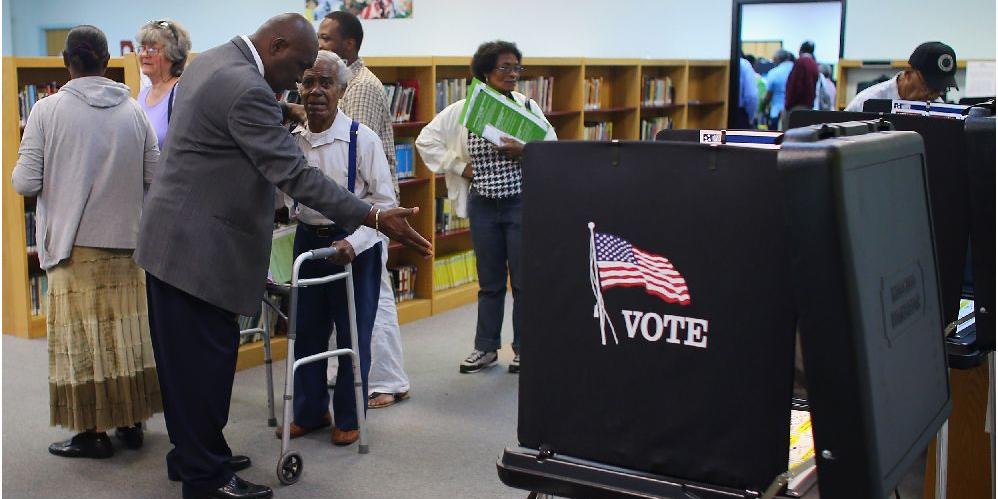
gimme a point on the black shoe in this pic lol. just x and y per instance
(86, 444)
(514, 367)
(236, 463)
(237, 488)
(131, 436)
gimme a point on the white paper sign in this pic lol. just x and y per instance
(980, 79)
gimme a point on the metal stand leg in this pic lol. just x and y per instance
(290, 465)
(358, 382)
(942, 460)
(268, 361)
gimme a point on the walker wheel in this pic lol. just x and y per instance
(289, 468)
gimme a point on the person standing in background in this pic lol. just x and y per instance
(748, 97)
(776, 87)
(87, 153)
(801, 82)
(931, 72)
(163, 49)
(493, 204)
(365, 101)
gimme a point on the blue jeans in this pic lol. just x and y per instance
(496, 237)
(319, 308)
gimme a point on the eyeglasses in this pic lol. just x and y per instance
(507, 69)
(149, 50)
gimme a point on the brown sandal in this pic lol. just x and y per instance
(395, 398)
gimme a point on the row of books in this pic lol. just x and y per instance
(401, 99)
(29, 229)
(599, 130)
(403, 282)
(538, 89)
(657, 91)
(38, 284)
(593, 88)
(651, 126)
(454, 270)
(405, 160)
(447, 218)
(451, 90)
(31, 94)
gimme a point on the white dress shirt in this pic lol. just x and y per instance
(329, 151)
(883, 90)
(256, 55)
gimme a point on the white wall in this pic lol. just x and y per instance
(592, 28)
(793, 23)
(891, 29)
(8, 38)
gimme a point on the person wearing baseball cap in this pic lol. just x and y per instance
(931, 72)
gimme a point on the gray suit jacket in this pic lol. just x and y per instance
(208, 217)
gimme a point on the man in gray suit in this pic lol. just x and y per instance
(205, 234)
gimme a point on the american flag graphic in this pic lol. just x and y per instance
(620, 264)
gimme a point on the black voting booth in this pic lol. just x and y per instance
(870, 313)
(645, 412)
(961, 173)
(700, 391)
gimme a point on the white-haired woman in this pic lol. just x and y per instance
(326, 141)
(163, 49)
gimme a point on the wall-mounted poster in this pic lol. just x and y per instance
(315, 10)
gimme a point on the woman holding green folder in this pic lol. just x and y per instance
(484, 181)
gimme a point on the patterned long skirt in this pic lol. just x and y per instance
(102, 373)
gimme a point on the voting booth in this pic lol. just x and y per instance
(660, 306)
(959, 156)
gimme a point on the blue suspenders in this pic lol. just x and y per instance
(352, 165)
(351, 162)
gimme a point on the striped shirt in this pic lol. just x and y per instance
(365, 101)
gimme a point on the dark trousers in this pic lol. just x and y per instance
(195, 344)
(319, 309)
(495, 235)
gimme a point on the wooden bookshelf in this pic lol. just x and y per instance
(707, 91)
(18, 265)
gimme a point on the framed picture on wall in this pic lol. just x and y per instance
(315, 10)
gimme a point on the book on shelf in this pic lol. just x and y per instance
(405, 163)
(598, 130)
(538, 89)
(31, 94)
(451, 90)
(38, 285)
(657, 91)
(447, 219)
(651, 126)
(403, 282)
(593, 88)
(29, 231)
(402, 99)
(454, 270)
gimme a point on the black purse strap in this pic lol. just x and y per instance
(169, 103)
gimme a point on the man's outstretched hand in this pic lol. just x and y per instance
(394, 223)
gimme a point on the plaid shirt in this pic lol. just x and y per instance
(365, 101)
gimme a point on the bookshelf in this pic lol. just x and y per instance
(18, 264)
(699, 100)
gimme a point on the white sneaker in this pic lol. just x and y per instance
(478, 360)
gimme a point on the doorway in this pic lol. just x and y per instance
(768, 32)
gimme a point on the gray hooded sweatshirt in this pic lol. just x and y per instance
(87, 152)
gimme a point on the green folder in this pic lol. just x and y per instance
(282, 254)
(491, 115)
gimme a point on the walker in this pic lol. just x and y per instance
(290, 464)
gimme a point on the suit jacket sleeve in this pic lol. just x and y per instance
(255, 124)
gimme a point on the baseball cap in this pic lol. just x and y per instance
(937, 63)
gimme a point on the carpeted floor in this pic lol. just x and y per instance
(442, 443)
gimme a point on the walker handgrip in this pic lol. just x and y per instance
(323, 253)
